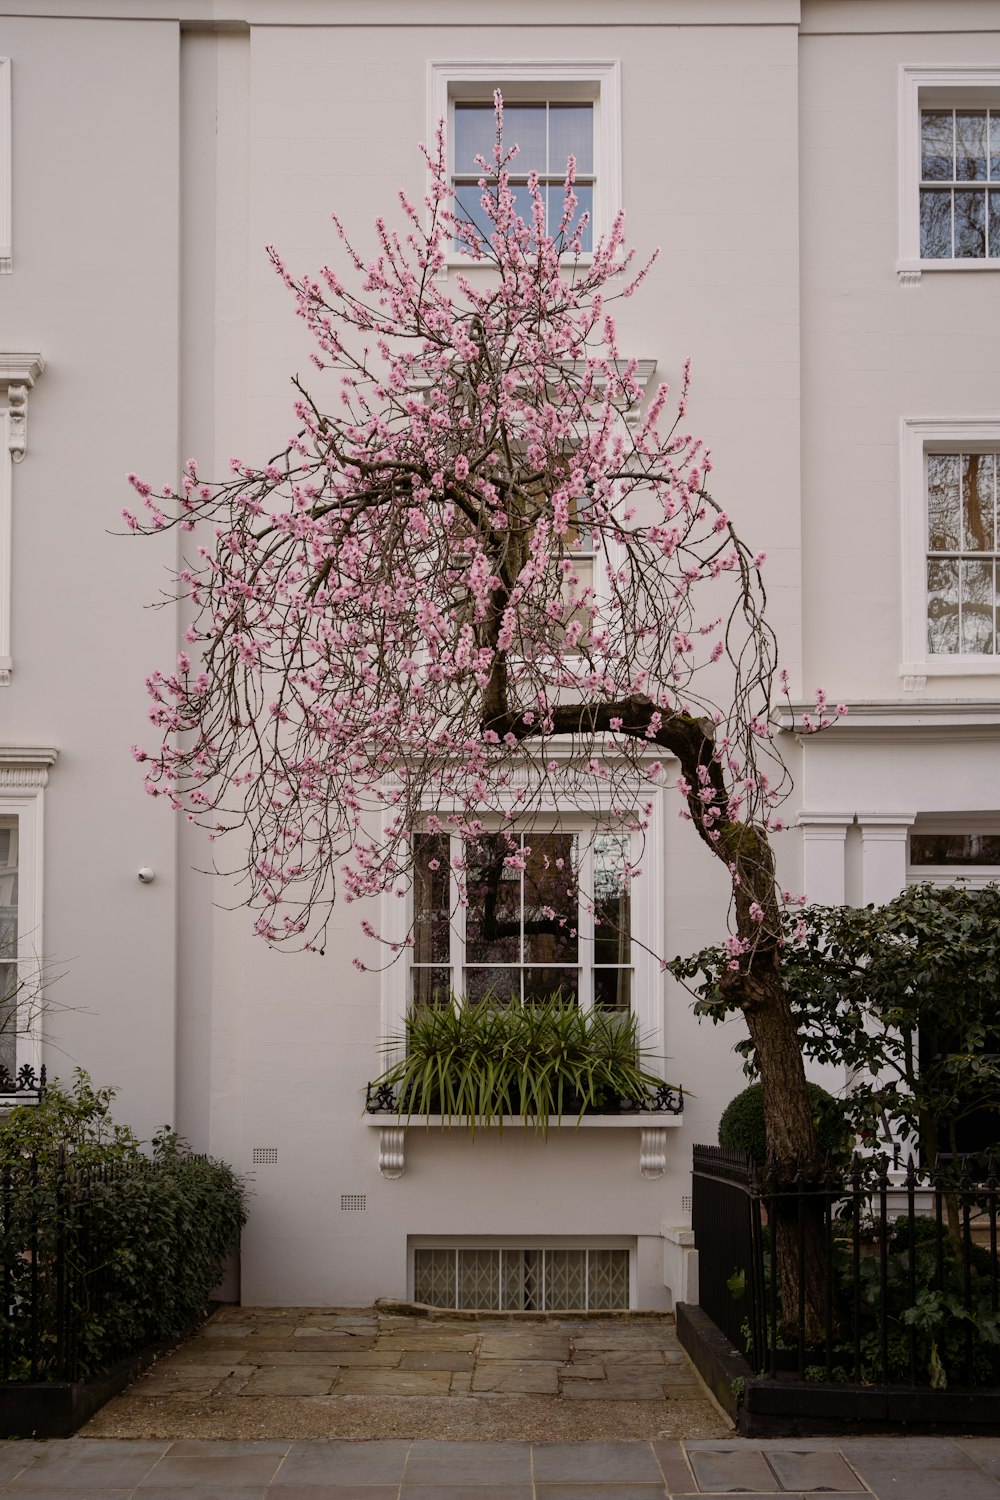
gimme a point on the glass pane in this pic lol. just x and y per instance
(584, 205)
(475, 135)
(970, 145)
(943, 502)
(613, 989)
(565, 1280)
(493, 917)
(431, 898)
(496, 985)
(541, 985)
(524, 127)
(608, 1280)
(978, 608)
(430, 986)
(977, 502)
(936, 145)
(954, 849)
(434, 1277)
(935, 224)
(994, 225)
(551, 898)
(571, 133)
(942, 608)
(995, 144)
(970, 225)
(8, 944)
(612, 899)
(469, 206)
(479, 1279)
(8, 1017)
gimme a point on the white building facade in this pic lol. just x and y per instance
(823, 179)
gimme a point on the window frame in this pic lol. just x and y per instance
(458, 1242)
(18, 373)
(919, 88)
(23, 778)
(648, 902)
(597, 82)
(918, 437)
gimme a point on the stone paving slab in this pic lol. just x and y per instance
(95, 1469)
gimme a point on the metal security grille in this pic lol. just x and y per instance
(265, 1156)
(353, 1202)
(522, 1280)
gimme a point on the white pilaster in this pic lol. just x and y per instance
(824, 840)
(883, 855)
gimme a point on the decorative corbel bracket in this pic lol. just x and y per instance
(392, 1151)
(18, 373)
(652, 1152)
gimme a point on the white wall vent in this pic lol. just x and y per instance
(353, 1202)
(265, 1156)
(686, 1203)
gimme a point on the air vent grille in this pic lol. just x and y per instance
(353, 1202)
(265, 1156)
(686, 1203)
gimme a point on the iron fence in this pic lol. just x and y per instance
(865, 1275)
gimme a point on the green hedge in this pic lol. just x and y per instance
(132, 1241)
(742, 1123)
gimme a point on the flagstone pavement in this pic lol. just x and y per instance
(296, 1373)
(841, 1469)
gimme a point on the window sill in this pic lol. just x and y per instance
(651, 1124)
(910, 271)
(952, 666)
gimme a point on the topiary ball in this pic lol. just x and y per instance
(742, 1123)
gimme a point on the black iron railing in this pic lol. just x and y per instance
(865, 1275)
(22, 1086)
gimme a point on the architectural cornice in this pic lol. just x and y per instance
(945, 719)
(26, 767)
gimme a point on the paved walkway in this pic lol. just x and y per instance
(888, 1468)
(304, 1373)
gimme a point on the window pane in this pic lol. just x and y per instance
(541, 985)
(430, 986)
(943, 501)
(970, 145)
(608, 1280)
(493, 916)
(565, 1280)
(469, 206)
(994, 144)
(8, 944)
(977, 501)
(513, 1279)
(585, 205)
(978, 607)
(954, 849)
(475, 135)
(994, 224)
(524, 127)
(970, 225)
(551, 898)
(496, 985)
(935, 224)
(613, 989)
(936, 145)
(571, 133)
(612, 899)
(431, 899)
(942, 608)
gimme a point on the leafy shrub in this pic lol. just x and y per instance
(481, 1062)
(132, 1242)
(742, 1123)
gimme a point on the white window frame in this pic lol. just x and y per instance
(6, 195)
(647, 923)
(958, 87)
(599, 82)
(975, 877)
(918, 437)
(24, 775)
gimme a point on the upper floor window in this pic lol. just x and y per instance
(552, 110)
(9, 968)
(950, 483)
(949, 201)
(547, 133)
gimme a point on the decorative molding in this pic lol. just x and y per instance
(652, 1138)
(6, 234)
(914, 682)
(392, 1151)
(908, 275)
(652, 1152)
(18, 373)
(26, 767)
